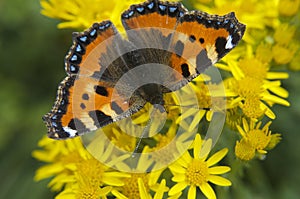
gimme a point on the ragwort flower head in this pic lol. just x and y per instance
(288, 7)
(74, 169)
(253, 88)
(82, 14)
(254, 139)
(190, 172)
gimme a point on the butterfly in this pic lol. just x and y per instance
(111, 76)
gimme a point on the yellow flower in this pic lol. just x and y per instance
(139, 185)
(190, 172)
(164, 157)
(170, 145)
(210, 96)
(284, 33)
(254, 15)
(283, 54)
(244, 150)
(264, 53)
(119, 137)
(159, 193)
(252, 67)
(288, 7)
(248, 93)
(251, 88)
(295, 63)
(62, 157)
(254, 139)
(198, 99)
(84, 192)
(74, 168)
(80, 14)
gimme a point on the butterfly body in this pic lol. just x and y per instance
(110, 77)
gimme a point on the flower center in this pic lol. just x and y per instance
(244, 150)
(254, 68)
(90, 171)
(251, 107)
(131, 187)
(197, 172)
(248, 87)
(204, 99)
(88, 192)
(258, 139)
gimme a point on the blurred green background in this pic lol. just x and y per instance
(31, 66)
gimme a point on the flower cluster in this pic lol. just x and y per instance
(251, 87)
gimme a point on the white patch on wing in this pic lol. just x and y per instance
(211, 53)
(229, 44)
(88, 121)
(71, 132)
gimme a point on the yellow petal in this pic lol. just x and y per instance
(236, 72)
(69, 194)
(105, 190)
(241, 131)
(197, 117)
(197, 146)
(177, 169)
(268, 112)
(179, 178)
(275, 99)
(218, 180)
(48, 171)
(207, 191)
(222, 66)
(118, 194)
(186, 114)
(245, 125)
(177, 188)
(113, 181)
(160, 192)
(206, 147)
(279, 91)
(277, 75)
(192, 192)
(142, 189)
(219, 169)
(217, 157)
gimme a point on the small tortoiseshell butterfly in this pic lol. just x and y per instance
(157, 34)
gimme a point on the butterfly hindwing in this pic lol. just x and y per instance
(85, 104)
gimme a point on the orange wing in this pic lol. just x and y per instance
(158, 33)
(200, 40)
(87, 98)
(83, 57)
(188, 42)
(84, 104)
